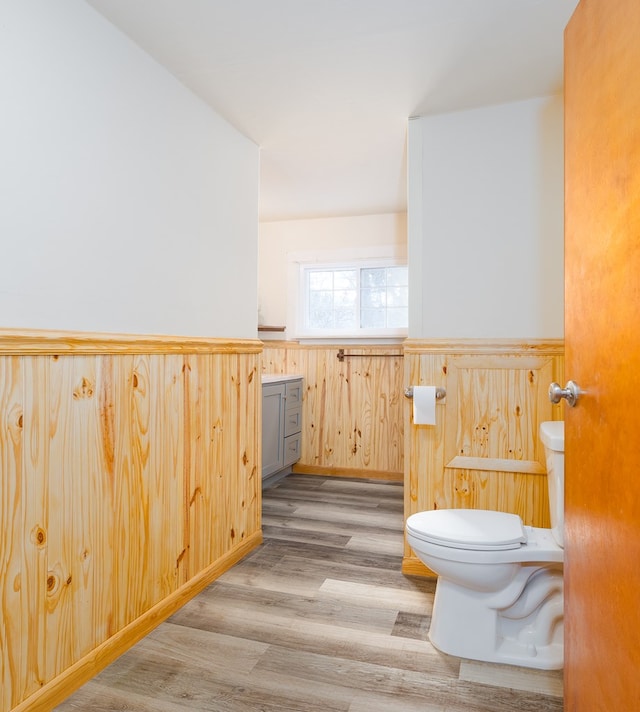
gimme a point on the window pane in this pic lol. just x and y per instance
(345, 319)
(373, 277)
(321, 300)
(320, 280)
(373, 297)
(397, 276)
(372, 318)
(320, 319)
(345, 279)
(320, 310)
(398, 297)
(344, 298)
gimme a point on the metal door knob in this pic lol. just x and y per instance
(570, 392)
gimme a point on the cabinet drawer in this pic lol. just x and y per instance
(291, 449)
(293, 394)
(292, 420)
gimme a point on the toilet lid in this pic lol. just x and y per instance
(468, 529)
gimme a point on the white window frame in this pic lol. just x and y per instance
(305, 332)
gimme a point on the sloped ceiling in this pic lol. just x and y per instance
(325, 87)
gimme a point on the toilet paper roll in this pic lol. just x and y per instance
(424, 405)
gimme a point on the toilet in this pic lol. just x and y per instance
(499, 595)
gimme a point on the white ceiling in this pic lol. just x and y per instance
(325, 87)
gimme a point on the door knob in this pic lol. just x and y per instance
(570, 392)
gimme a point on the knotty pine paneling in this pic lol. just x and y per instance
(484, 451)
(130, 479)
(352, 410)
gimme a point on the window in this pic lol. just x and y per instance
(365, 299)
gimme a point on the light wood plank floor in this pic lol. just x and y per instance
(318, 618)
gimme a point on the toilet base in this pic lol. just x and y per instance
(521, 625)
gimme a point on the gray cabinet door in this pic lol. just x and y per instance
(272, 428)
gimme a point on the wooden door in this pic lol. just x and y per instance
(602, 329)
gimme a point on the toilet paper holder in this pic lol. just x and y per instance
(441, 393)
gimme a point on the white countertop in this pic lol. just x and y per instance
(278, 377)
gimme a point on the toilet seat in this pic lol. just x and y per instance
(539, 545)
(469, 529)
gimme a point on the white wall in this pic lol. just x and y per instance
(485, 222)
(282, 244)
(126, 204)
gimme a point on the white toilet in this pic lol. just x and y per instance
(499, 596)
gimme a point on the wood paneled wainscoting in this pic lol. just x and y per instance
(484, 451)
(352, 409)
(130, 480)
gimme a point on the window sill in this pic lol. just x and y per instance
(371, 334)
(332, 338)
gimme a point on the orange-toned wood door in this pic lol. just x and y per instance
(602, 330)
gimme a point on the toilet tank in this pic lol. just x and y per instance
(552, 436)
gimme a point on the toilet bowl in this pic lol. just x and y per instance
(499, 595)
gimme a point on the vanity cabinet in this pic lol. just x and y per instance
(281, 425)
